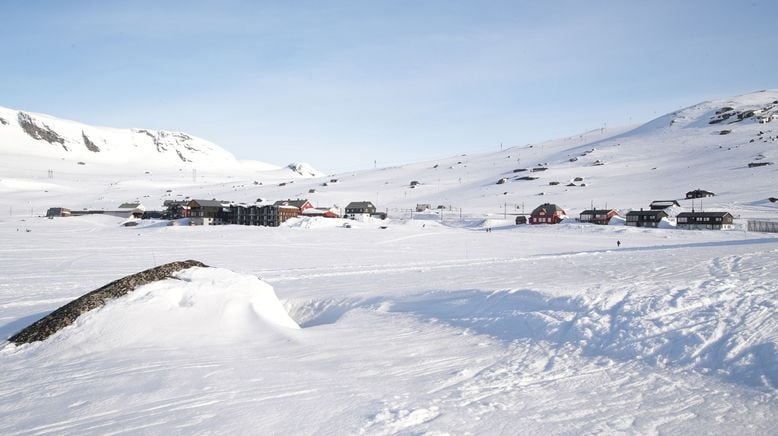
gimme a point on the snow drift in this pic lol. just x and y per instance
(198, 306)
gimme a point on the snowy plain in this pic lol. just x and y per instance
(428, 326)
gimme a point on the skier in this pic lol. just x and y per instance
(618, 244)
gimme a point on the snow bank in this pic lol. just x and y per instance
(617, 221)
(200, 306)
(314, 222)
(493, 222)
(427, 215)
(666, 224)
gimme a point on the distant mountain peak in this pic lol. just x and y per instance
(43, 136)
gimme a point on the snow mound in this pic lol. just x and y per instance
(314, 222)
(199, 306)
(496, 222)
(666, 224)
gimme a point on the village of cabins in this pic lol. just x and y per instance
(216, 212)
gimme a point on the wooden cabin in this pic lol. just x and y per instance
(645, 218)
(699, 193)
(208, 212)
(359, 208)
(300, 204)
(598, 216)
(547, 213)
(58, 212)
(663, 204)
(704, 220)
(322, 212)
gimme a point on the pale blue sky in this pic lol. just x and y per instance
(341, 84)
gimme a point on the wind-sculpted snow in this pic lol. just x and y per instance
(419, 327)
(178, 307)
(69, 313)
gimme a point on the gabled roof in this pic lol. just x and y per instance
(360, 205)
(665, 203)
(704, 214)
(700, 191)
(647, 212)
(598, 211)
(296, 203)
(208, 203)
(168, 203)
(320, 211)
(549, 209)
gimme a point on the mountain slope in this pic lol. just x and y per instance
(691, 148)
(44, 136)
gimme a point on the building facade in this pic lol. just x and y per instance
(598, 216)
(547, 213)
(704, 221)
(356, 208)
(208, 212)
(645, 218)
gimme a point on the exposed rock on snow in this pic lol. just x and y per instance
(138, 148)
(67, 314)
(304, 169)
(91, 146)
(41, 132)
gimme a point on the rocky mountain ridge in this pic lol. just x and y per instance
(25, 133)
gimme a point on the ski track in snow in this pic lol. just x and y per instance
(672, 335)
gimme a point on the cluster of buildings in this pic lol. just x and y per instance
(125, 210)
(216, 212)
(652, 217)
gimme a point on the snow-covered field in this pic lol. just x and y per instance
(428, 326)
(419, 327)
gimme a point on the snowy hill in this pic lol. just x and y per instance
(43, 136)
(622, 168)
(427, 325)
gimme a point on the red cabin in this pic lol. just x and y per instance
(547, 214)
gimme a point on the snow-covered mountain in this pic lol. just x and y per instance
(427, 325)
(727, 146)
(43, 136)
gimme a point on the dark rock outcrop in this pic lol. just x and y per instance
(3, 121)
(42, 132)
(91, 146)
(67, 314)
